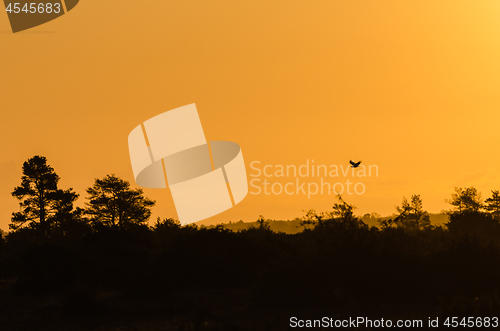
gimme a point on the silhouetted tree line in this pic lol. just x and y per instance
(105, 260)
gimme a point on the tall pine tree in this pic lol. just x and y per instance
(43, 206)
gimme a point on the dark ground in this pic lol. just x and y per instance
(183, 278)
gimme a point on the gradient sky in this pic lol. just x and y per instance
(409, 86)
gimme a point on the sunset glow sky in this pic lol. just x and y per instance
(412, 87)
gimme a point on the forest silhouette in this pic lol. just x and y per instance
(103, 267)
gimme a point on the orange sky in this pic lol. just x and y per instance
(409, 86)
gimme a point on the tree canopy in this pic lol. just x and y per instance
(466, 200)
(411, 214)
(42, 204)
(113, 203)
(493, 204)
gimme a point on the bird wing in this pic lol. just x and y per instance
(357, 164)
(351, 162)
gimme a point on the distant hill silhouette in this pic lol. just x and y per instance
(293, 226)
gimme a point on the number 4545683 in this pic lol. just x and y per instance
(478, 322)
(34, 8)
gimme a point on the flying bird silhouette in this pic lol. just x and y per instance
(354, 164)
